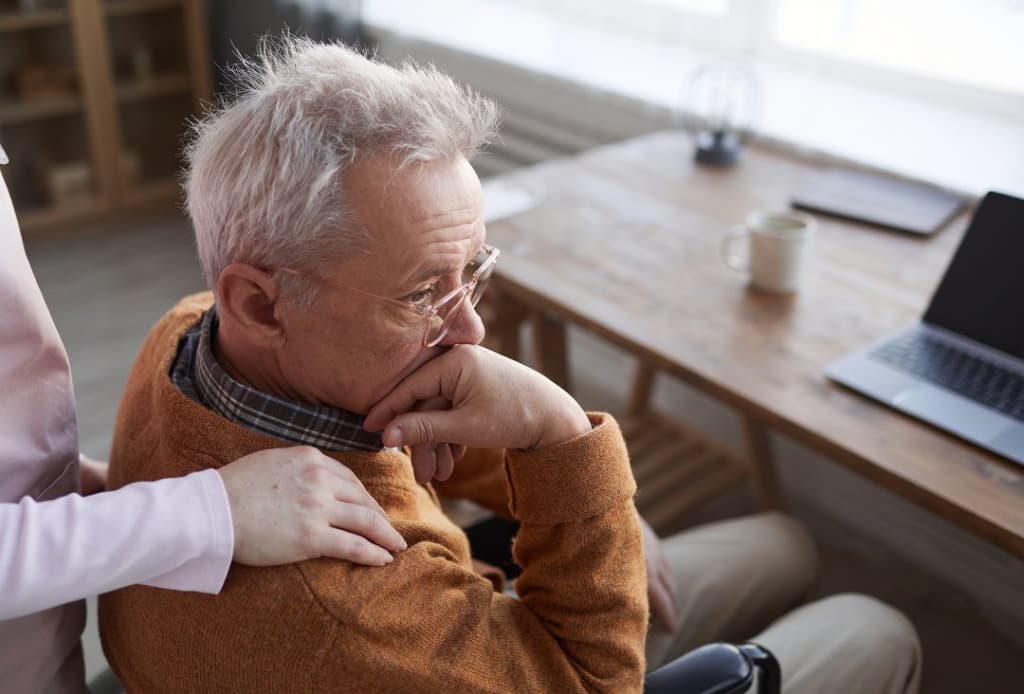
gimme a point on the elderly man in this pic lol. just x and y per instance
(339, 224)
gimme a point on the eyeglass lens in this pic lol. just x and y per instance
(449, 313)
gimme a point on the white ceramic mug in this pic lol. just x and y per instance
(776, 246)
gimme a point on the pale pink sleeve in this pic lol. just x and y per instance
(174, 533)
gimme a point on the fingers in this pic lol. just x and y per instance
(368, 523)
(424, 462)
(424, 383)
(445, 462)
(340, 544)
(437, 403)
(353, 492)
(457, 451)
(416, 428)
(432, 462)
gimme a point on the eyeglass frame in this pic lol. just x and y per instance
(426, 312)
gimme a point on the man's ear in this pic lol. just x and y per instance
(248, 299)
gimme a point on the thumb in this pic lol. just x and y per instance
(416, 428)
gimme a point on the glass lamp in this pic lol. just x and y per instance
(719, 107)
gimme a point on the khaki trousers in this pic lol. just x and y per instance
(744, 580)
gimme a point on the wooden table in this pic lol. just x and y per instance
(625, 242)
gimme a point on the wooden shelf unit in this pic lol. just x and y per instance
(134, 71)
(121, 8)
(54, 215)
(11, 21)
(17, 112)
(161, 85)
(152, 192)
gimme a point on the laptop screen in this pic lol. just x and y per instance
(981, 295)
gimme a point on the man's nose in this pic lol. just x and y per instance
(468, 328)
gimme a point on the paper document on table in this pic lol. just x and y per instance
(503, 200)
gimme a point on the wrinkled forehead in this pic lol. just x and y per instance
(422, 217)
(442, 197)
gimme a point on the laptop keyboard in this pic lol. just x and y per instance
(967, 375)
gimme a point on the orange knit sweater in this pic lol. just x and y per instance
(425, 623)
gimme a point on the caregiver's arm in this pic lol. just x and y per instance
(271, 507)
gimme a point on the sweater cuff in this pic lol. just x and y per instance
(570, 481)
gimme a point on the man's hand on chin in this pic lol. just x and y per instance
(435, 461)
(471, 396)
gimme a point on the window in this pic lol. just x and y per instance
(710, 8)
(934, 47)
(927, 89)
(978, 43)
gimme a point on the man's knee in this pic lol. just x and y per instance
(788, 547)
(878, 639)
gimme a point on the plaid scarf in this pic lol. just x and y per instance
(197, 374)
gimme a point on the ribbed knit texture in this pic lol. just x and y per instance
(425, 623)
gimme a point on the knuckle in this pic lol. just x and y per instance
(309, 501)
(371, 520)
(314, 474)
(309, 535)
(424, 429)
(307, 454)
(353, 548)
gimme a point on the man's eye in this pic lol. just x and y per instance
(421, 297)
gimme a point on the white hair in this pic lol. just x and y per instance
(264, 173)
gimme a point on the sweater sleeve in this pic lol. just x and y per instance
(173, 533)
(480, 477)
(581, 619)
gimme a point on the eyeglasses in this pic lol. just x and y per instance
(441, 315)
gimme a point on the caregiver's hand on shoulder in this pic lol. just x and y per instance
(291, 504)
(495, 403)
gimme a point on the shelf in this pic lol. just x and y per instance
(152, 192)
(124, 126)
(123, 8)
(138, 196)
(57, 214)
(161, 85)
(13, 112)
(33, 19)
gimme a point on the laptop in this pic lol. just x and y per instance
(961, 367)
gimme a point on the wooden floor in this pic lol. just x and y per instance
(107, 284)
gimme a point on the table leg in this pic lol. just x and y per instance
(764, 481)
(640, 393)
(503, 316)
(550, 348)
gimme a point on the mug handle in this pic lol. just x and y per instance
(733, 260)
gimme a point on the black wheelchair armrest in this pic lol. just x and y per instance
(718, 668)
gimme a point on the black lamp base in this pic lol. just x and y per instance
(718, 148)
